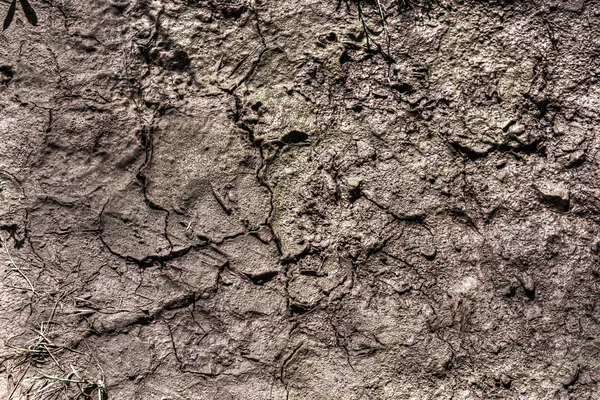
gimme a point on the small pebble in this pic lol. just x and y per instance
(516, 129)
(429, 252)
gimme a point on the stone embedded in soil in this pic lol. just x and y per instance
(501, 175)
(570, 375)
(429, 252)
(528, 285)
(554, 194)
(516, 129)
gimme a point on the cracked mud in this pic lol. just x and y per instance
(300, 200)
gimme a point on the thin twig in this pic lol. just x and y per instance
(15, 267)
(361, 18)
(384, 24)
(18, 382)
(385, 31)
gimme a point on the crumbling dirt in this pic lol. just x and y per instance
(309, 199)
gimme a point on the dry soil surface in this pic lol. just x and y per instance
(300, 199)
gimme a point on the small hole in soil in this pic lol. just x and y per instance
(357, 108)
(233, 12)
(294, 137)
(261, 279)
(402, 87)
(180, 60)
(256, 106)
(6, 73)
(354, 194)
(344, 58)
(298, 309)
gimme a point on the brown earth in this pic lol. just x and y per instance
(361, 199)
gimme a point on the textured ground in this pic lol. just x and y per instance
(300, 200)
